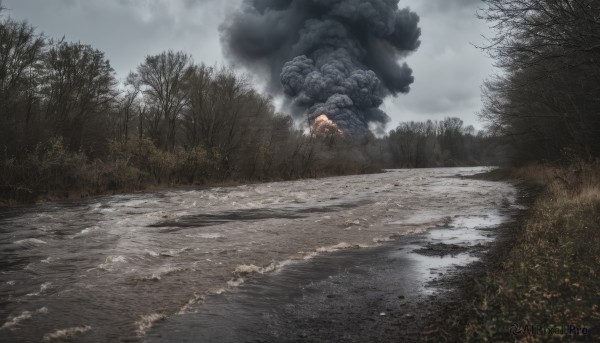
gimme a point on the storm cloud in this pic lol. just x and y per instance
(333, 57)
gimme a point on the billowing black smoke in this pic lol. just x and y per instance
(333, 57)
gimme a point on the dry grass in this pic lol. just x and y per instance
(549, 279)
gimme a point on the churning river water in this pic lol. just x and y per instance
(115, 268)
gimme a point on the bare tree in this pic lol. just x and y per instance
(127, 107)
(198, 84)
(20, 52)
(545, 102)
(531, 31)
(78, 82)
(163, 79)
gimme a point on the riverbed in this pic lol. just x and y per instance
(239, 263)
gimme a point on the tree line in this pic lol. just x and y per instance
(545, 103)
(67, 125)
(447, 143)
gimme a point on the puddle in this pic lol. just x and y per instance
(457, 244)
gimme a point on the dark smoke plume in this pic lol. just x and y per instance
(333, 57)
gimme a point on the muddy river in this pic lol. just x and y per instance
(246, 263)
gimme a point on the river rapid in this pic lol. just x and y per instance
(114, 268)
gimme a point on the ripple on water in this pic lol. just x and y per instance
(87, 231)
(112, 261)
(146, 323)
(30, 242)
(14, 321)
(209, 235)
(174, 252)
(66, 334)
(43, 288)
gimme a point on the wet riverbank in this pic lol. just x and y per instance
(393, 292)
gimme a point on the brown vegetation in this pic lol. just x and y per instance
(545, 109)
(549, 278)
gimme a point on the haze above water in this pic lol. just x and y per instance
(110, 268)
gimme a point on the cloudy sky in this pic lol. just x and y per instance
(448, 70)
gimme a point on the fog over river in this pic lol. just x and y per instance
(118, 267)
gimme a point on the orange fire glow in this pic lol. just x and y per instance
(323, 126)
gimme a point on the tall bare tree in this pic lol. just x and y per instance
(21, 49)
(545, 102)
(163, 79)
(198, 84)
(78, 83)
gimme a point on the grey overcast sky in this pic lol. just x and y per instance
(448, 70)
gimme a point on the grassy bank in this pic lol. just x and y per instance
(546, 286)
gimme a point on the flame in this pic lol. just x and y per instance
(324, 126)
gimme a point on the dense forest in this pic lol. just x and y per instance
(545, 103)
(69, 128)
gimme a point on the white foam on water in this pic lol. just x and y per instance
(16, 320)
(11, 282)
(174, 252)
(479, 221)
(246, 269)
(235, 282)
(146, 322)
(111, 261)
(153, 277)
(13, 321)
(30, 242)
(206, 235)
(237, 194)
(339, 246)
(259, 189)
(43, 288)
(134, 203)
(158, 275)
(152, 253)
(218, 291)
(47, 260)
(251, 269)
(86, 231)
(424, 218)
(331, 248)
(193, 301)
(300, 196)
(66, 334)
(310, 255)
(352, 222)
(284, 263)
